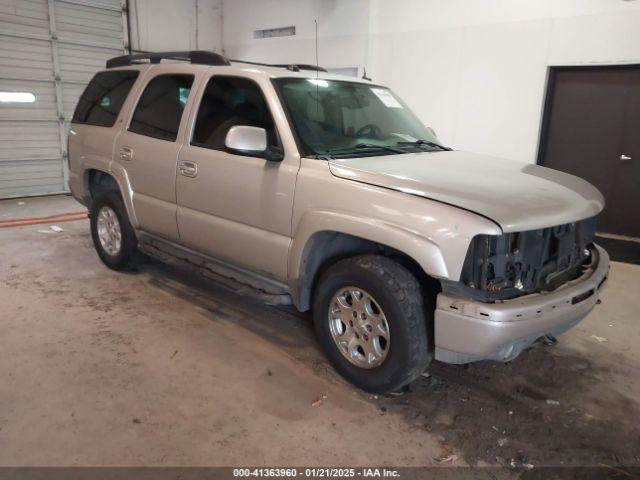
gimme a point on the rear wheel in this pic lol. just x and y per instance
(112, 233)
(370, 318)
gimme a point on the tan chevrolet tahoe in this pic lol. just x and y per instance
(328, 192)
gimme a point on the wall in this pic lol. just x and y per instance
(176, 25)
(477, 71)
(474, 70)
(343, 28)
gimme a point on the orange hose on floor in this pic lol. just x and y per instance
(46, 217)
(58, 218)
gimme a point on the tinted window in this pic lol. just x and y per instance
(160, 107)
(102, 100)
(230, 101)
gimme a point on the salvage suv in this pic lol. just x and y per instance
(327, 192)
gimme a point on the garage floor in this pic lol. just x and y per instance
(156, 367)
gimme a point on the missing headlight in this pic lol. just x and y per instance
(514, 264)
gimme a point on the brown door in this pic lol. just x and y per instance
(592, 129)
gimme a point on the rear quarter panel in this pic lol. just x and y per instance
(91, 148)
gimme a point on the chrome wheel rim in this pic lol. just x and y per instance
(359, 327)
(109, 231)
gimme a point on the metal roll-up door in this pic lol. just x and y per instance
(49, 50)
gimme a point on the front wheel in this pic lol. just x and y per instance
(370, 318)
(112, 233)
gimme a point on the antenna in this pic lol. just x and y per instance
(317, 63)
(317, 74)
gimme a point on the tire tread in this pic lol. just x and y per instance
(125, 258)
(405, 290)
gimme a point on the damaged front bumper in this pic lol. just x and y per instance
(468, 330)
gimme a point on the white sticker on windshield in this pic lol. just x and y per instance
(386, 97)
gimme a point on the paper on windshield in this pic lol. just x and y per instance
(386, 97)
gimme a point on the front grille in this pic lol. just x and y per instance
(499, 267)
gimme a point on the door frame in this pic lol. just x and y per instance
(552, 73)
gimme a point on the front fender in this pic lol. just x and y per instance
(426, 253)
(336, 233)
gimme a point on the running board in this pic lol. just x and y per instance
(264, 289)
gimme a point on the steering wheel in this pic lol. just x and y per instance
(372, 130)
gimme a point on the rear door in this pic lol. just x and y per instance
(147, 149)
(233, 207)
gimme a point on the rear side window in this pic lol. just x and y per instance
(227, 102)
(102, 100)
(160, 107)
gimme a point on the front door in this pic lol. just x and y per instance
(232, 207)
(148, 151)
(593, 131)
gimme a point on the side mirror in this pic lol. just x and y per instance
(431, 131)
(252, 142)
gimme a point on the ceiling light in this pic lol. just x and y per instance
(17, 97)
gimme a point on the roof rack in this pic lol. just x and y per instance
(302, 66)
(201, 57)
(294, 67)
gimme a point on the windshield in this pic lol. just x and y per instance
(340, 118)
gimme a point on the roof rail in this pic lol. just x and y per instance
(201, 57)
(302, 66)
(294, 67)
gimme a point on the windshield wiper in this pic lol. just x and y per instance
(330, 153)
(421, 142)
(388, 148)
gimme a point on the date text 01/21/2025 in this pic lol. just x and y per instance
(316, 472)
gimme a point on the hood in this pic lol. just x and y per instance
(517, 196)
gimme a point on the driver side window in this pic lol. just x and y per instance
(228, 102)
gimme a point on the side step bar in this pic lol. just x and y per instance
(263, 289)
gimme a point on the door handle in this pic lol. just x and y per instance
(126, 153)
(624, 158)
(188, 169)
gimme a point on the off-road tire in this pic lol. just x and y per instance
(403, 302)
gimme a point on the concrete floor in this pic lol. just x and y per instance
(156, 367)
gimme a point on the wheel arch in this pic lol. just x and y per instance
(97, 181)
(325, 238)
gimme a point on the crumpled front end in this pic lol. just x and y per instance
(499, 267)
(517, 287)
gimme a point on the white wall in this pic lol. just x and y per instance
(477, 70)
(474, 70)
(176, 25)
(343, 31)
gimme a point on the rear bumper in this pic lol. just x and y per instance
(468, 330)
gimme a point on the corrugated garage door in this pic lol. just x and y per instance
(49, 49)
